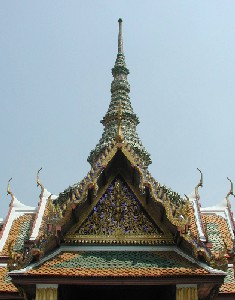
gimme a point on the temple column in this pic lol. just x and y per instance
(186, 292)
(46, 291)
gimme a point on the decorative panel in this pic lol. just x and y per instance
(119, 216)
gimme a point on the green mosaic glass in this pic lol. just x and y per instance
(121, 259)
(214, 236)
(23, 235)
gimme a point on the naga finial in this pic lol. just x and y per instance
(39, 182)
(9, 192)
(119, 137)
(231, 190)
(120, 41)
(199, 184)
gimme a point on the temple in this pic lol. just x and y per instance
(118, 232)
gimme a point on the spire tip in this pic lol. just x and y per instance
(120, 42)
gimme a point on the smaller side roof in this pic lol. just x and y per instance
(18, 233)
(222, 246)
(229, 282)
(16, 210)
(5, 281)
(218, 232)
(223, 211)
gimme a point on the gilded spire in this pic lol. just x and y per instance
(120, 101)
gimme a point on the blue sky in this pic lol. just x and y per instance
(55, 77)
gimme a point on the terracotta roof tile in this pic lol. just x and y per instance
(46, 215)
(228, 288)
(193, 224)
(18, 233)
(5, 282)
(229, 282)
(230, 276)
(217, 231)
(118, 264)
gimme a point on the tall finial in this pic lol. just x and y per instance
(199, 184)
(120, 41)
(9, 192)
(39, 182)
(231, 190)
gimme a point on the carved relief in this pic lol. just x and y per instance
(118, 212)
(118, 215)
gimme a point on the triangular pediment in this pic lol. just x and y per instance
(118, 216)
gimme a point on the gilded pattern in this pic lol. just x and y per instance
(119, 215)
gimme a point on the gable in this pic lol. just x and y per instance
(118, 216)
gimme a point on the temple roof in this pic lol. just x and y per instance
(119, 221)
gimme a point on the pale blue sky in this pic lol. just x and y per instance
(55, 75)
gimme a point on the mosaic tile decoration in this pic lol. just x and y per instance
(23, 234)
(218, 232)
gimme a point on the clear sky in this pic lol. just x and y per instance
(55, 76)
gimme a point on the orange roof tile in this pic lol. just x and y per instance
(193, 224)
(14, 232)
(118, 264)
(46, 215)
(228, 288)
(5, 282)
(223, 229)
(229, 282)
